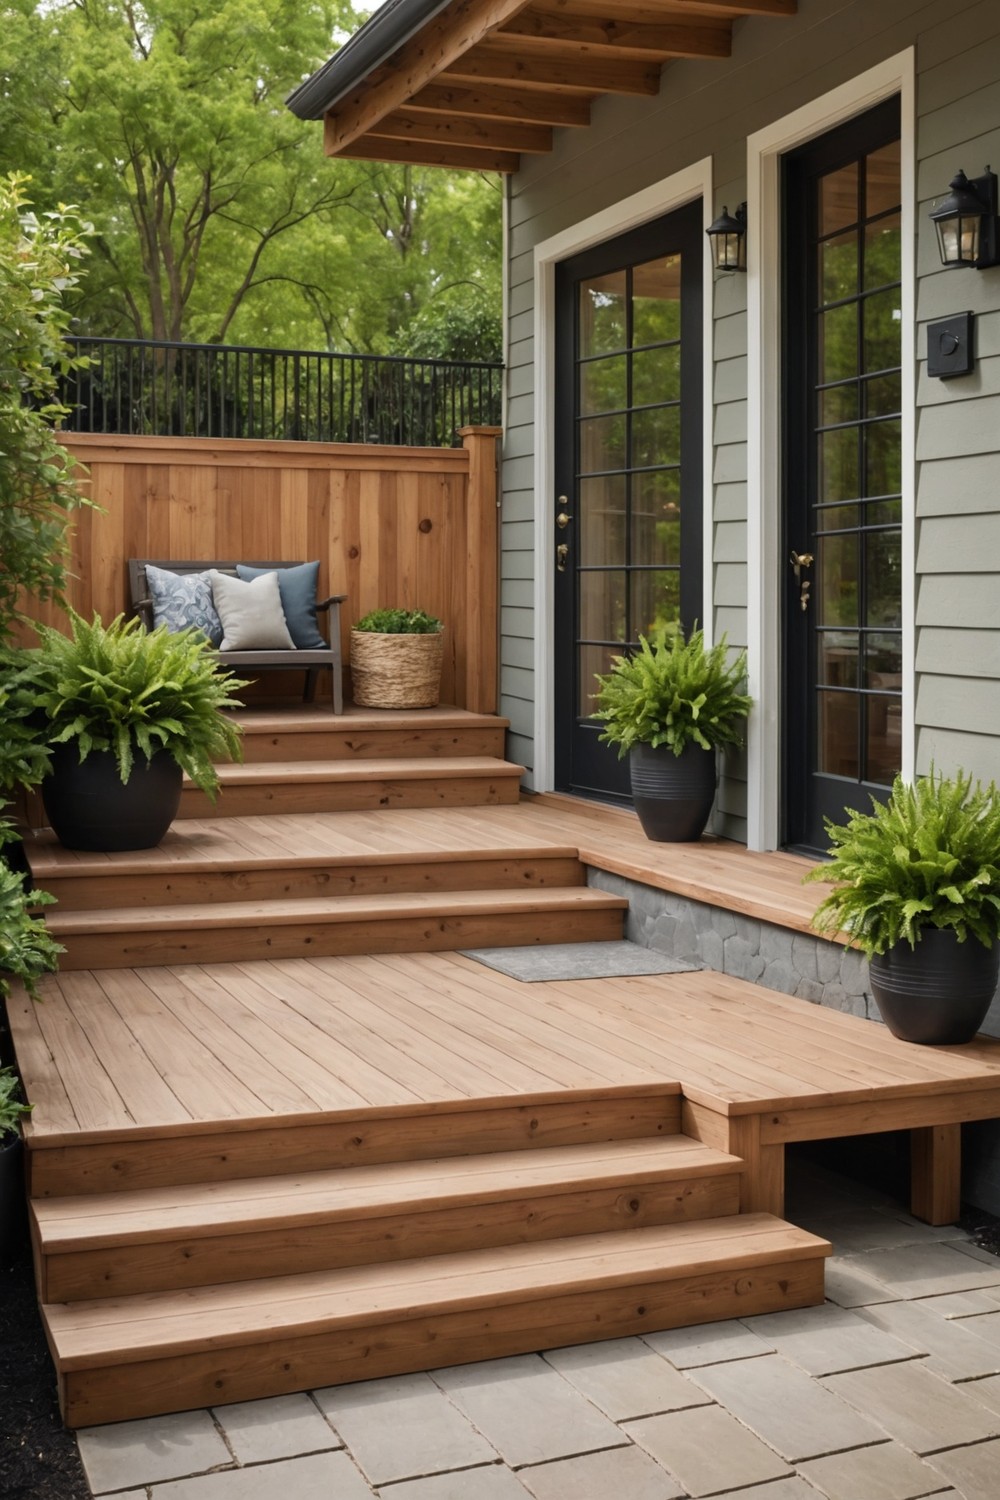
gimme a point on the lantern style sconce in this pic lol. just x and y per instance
(727, 236)
(968, 229)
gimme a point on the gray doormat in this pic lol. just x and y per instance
(576, 961)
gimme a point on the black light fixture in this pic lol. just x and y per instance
(968, 229)
(728, 237)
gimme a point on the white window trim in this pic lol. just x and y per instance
(766, 576)
(660, 198)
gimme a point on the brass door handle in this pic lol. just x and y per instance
(801, 560)
(562, 552)
(563, 520)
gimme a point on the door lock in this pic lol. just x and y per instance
(801, 561)
(563, 520)
(562, 552)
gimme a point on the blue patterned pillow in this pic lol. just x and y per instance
(184, 599)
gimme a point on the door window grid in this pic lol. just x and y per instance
(857, 470)
(627, 464)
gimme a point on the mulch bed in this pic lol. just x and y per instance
(38, 1455)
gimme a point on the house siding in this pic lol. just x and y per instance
(707, 109)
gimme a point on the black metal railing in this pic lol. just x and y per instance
(147, 387)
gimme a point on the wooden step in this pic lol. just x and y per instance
(336, 786)
(220, 1151)
(119, 1244)
(418, 922)
(98, 882)
(138, 1356)
(370, 734)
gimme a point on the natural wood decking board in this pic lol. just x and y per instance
(308, 786)
(365, 734)
(199, 1234)
(129, 1357)
(396, 923)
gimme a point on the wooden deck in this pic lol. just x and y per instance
(285, 1135)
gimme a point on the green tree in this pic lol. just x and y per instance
(217, 215)
(39, 267)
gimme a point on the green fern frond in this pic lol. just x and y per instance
(675, 692)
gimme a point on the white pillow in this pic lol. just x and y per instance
(251, 613)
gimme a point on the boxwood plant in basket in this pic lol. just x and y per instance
(670, 705)
(396, 659)
(916, 886)
(125, 713)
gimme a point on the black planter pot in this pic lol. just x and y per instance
(937, 993)
(673, 794)
(89, 807)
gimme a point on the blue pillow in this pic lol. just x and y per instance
(181, 600)
(297, 587)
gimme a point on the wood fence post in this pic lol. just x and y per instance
(482, 528)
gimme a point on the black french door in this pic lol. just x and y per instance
(627, 510)
(843, 472)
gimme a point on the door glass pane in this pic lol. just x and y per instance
(882, 178)
(882, 242)
(838, 563)
(602, 314)
(602, 605)
(656, 600)
(883, 751)
(838, 344)
(838, 403)
(656, 517)
(600, 523)
(883, 660)
(590, 661)
(837, 751)
(838, 464)
(604, 385)
(656, 301)
(656, 437)
(656, 375)
(837, 655)
(602, 444)
(883, 458)
(883, 319)
(883, 395)
(836, 517)
(838, 271)
(838, 199)
(882, 552)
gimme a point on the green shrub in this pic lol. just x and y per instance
(675, 693)
(27, 951)
(399, 622)
(121, 688)
(11, 1108)
(928, 857)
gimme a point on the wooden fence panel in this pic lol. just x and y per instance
(413, 527)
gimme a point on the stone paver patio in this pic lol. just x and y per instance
(890, 1391)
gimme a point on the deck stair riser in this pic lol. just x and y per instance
(341, 786)
(133, 1357)
(121, 1244)
(361, 737)
(102, 885)
(136, 937)
(169, 1157)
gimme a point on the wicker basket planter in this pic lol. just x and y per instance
(395, 671)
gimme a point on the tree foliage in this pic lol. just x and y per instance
(218, 217)
(39, 268)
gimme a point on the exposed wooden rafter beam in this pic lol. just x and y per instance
(565, 33)
(372, 147)
(487, 135)
(441, 42)
(499, 102)
(655, 12)
(499, 59)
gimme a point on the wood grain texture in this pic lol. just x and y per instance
(390, 526)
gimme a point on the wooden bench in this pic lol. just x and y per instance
(312, 662)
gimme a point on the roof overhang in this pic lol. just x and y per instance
(475, 83)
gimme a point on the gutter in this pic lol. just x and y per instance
(392, 25)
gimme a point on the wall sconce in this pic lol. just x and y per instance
(727, 236)
(966, 221)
